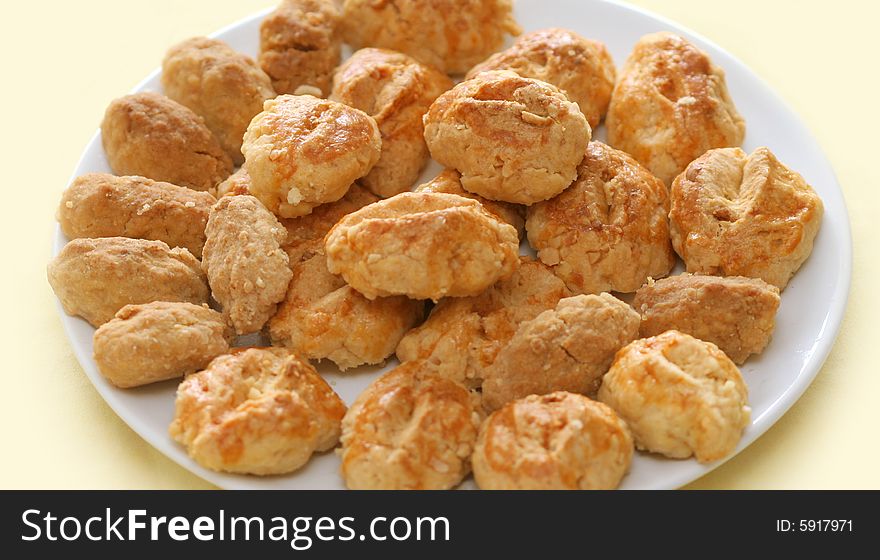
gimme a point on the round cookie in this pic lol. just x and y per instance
(396, 90)
(422, 245)
(734, 214)
(158, 341)
(222, 86)
(322, 317)
(609, 230)
(680, 396)
(670, 105)
(580, 67)
(257, 411)
(564, 349)
(302, 151)
(512, 139)
(560, 441)
(300, 45)
(149, 135)
(95, 278)
(409, 430)
(450, 35)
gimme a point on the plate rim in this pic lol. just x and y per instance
(830, 329)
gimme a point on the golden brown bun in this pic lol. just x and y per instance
(422, 245)
(737, 314)
(680, 396)
(322, 317)
(300, 45)
(246, 267)
(95, 278)
(302, 151)
(158, 341)
(670, 105)
(564, 349)
(149, 135)
(410, 430)
(222, 86)
(396, 90)
(258, 411)
(463, 336)
(513, 139)
(102, 205)
(734, 214)
(582, 68)
(609, 230)
(559, 441)
(449, 182)
(450, 35)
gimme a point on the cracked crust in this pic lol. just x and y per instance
(422, 245)
(670, 105)
(409, 430)
(246, 267)
(512, 139)
(680, 396)
(256, 411)
(582, 68)
(302, 151)
(449, 182)
(396, 90)
(735, 313)
(95, 278)
(323, 318)
(103, 205)
(149, 135)
(450, 35)
(734, 214)
(224, 87)
(564, 349)
(609, 230)
(462, 336)
(300, 45)
(158, 341)
(560, 441)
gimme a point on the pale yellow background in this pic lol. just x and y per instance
(64, 61)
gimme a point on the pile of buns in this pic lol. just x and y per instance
(529, 372)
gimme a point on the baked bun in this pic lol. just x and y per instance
(103, 205)
(149, 135)
(680, 396)
(450, 35)
(609, 230)
(322, 317)
(300, 45)
(95, 278)
(422, 245)
(512, 139)
(158, 341)
(560, 441)
(409, 430)
(734, 214)
(582, 68)
(737, 314)
(462, 336)
(224, 87)
(396, 90)
(670, 105)
(256, 411)
(247, 269)
(302, 151)
(564, 349)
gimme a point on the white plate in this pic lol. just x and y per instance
(807, 323)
